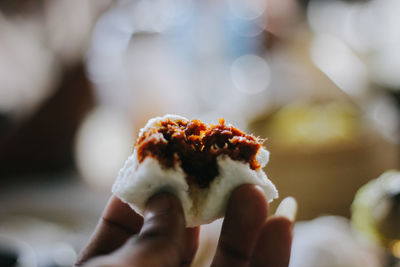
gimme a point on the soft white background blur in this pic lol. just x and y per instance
(78, 79)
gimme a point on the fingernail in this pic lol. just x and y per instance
(287, 208)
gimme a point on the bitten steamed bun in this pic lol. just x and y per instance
(200, 163)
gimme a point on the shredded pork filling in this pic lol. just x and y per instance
(195, 146)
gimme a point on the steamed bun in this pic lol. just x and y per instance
(200, 163)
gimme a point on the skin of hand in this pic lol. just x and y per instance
(248, 237)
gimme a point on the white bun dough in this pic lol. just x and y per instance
(137, 182)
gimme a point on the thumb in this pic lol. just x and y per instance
(164, 222)
(162, 237)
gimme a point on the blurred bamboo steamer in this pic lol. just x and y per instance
(321, 153)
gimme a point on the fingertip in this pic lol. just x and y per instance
(162, 237)
(162, 203)
(163, 219)
(274, 244)
(245, 216)
(280, 223)
(251, 198)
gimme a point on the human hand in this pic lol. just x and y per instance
(123, 238)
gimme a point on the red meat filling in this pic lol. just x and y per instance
(196, 145)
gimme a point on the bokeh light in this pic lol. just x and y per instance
(249, 9)
(250, 74)
(103, 143)
(334, 58)
(395, 247)
(28, 69)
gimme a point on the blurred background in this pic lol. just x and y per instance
(320, 80)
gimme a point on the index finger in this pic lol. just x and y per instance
(117, 224)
